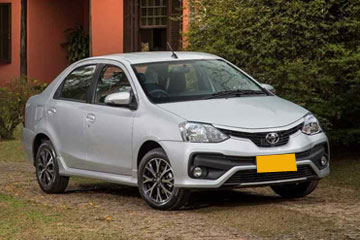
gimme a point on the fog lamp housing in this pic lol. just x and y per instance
(197, 172)
(324, 161)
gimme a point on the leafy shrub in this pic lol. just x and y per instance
(77, 44)
(12, 101)
(308, 49)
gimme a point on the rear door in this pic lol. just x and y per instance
(109, 128)
(66, 114)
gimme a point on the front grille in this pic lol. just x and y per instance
(259, 138)
(251, 176)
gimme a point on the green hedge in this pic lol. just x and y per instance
(12, 101)
(309, 50)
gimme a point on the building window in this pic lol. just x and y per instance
(5, 32)
(150, 24)
(153, 13)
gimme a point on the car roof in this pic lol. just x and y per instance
(148, 57)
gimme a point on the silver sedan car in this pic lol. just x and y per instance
(171, 123)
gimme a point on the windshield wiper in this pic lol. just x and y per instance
(235, 93)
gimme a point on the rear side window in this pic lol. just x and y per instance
(76, 86)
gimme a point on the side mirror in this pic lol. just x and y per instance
(269, 88)
(119, 99)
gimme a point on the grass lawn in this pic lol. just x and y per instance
(12, 151)
(345, 173)
(20, 219)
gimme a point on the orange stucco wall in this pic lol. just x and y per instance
(107, 26)
(47, 21)
(186, 21)
(12, 70)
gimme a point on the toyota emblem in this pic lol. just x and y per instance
(272, 138)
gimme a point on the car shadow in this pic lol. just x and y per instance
(198, 199)
(229, 198)
(105, 188)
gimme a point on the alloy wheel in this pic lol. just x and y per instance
(45, 167)
(158, 181)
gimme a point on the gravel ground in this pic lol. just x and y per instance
(92, 209)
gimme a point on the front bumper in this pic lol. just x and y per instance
(180, 155)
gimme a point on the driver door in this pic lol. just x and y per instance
(109, 129)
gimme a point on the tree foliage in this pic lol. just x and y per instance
(308, 49)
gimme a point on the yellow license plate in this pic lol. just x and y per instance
(276, 163)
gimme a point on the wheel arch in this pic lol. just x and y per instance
(39, 138)
(145, 148)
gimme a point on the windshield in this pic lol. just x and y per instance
(193, 80)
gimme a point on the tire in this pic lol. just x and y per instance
(295, 190)
(159, 181)
(47, 170)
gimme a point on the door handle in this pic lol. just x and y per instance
(51, 111)
(90, 118)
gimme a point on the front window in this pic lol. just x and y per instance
(193, 80)
(112, 80)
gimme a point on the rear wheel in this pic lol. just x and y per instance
(295, 190)
(156, 182)
(47, 170)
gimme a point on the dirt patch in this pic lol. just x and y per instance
(93, 209)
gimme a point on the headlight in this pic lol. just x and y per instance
(201, 133)
(311, 125)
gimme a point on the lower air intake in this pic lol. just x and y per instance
(251, 176)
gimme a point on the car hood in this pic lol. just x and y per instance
(242, 112)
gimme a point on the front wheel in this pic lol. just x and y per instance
(295, 190)
(156, 182)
